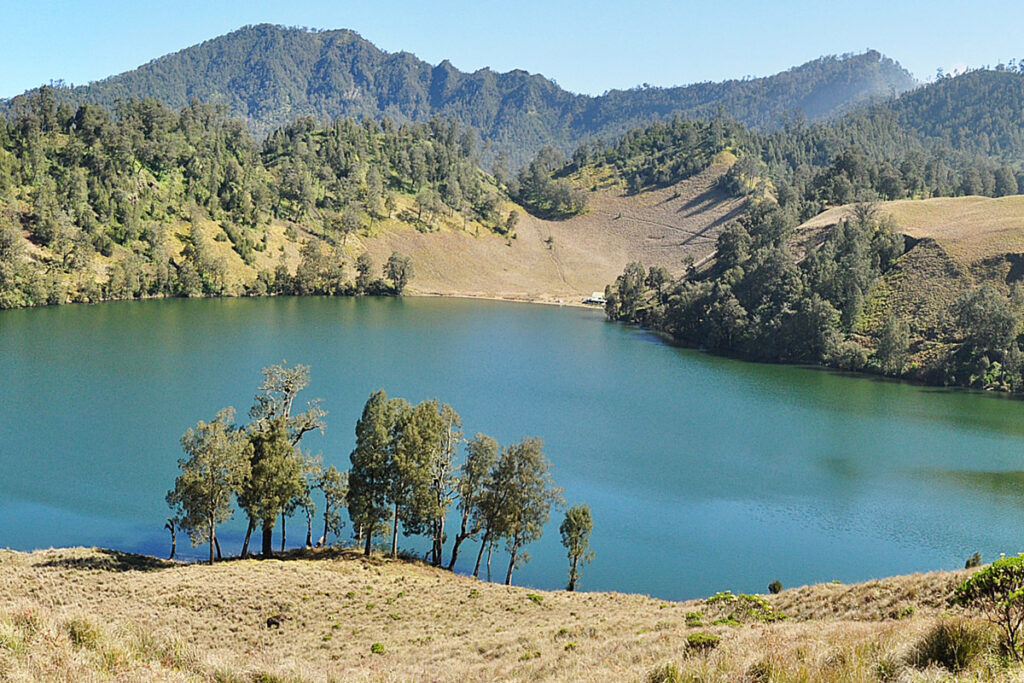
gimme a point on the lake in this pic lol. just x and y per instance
(703, 473)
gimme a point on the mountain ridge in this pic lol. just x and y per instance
(270, 75)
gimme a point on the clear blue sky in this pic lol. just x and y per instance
(586, 46)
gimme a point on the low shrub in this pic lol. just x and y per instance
(378, 648)
(666, 673)
(775, 587)
(702, 641)
(998, 591)
(953, 644)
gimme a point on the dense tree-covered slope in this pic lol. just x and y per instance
(270, 75)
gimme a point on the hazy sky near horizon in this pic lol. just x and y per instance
(586, 46)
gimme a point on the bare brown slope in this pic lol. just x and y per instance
(661, 227)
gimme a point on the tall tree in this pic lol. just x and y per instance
(521, 475)
(275, 480)
(367, 496)
(575, 530)
(416, 442)
(398, 269)
(276, 474)
(216, 465)
(442, 478)
(481, 456)
(334, 485)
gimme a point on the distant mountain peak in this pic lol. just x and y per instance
(270, 75)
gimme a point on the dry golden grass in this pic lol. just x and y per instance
(88, 614)
(971, 229)
(566, 260)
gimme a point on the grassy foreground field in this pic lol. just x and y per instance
(90, 614)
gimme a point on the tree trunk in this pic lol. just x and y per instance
(511, 563)
(309, 528)
(369, 537)
(455, 552)
(282, 531)
(213, 536)
(394, 535)
(248, 535)
(572, 575)
(490, 547)
(268, 540)
(439, 543)
(174, 537)
(480, 555)
(327, 510)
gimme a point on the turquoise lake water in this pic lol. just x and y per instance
(703, 474)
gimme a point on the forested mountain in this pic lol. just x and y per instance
(270, 75)
(134, 203)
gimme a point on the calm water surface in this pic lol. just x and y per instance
(703, 474)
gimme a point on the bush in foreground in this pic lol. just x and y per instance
(998, 591)
(954, 644)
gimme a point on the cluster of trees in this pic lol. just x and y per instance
(662, 153)
(404, 477)
(758, 300)
(541, 190)
(153, 188)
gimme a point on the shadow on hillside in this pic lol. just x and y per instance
(103, 559)
(702, 201)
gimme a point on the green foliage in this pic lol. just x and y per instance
(519, 499)
(893, 347)
(666, 153)
(702, 642)
(575, 530)
(775, 587)
(998, 591)
(378, 648)
(953, 643)
(399, 270)
(127, 185)
(334, 486)
(217, 465)
(543, 195)
(369, 476)
(973, 561)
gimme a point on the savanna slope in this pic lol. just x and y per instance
(151, 202)
(99, 615)
(270, 75)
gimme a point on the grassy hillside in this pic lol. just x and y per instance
(564, 260)
(270, 75)
(971, 229)
(546, 261)
(955, 245)
(96, 614)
